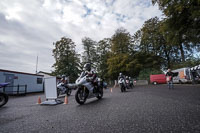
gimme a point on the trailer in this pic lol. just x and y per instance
(184, 75)
(21, 82)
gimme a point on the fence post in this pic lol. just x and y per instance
(25, 89)
(17, 89)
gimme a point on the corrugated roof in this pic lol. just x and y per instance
(2, 70)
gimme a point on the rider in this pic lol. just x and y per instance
(121, 76)
(64, 80)
(127, 78)
(91, 74)
(131, 81)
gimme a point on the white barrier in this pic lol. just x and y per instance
(141, 82)
(51, 92)
(50, 88)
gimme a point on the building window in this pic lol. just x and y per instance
(39, 80)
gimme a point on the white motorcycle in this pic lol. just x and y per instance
(63, 89)
(129, 84)
(86, 90)
(122, 84)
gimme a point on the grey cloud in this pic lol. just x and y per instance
(17, 29)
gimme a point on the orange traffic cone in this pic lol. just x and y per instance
(66, 100)
(39, 100)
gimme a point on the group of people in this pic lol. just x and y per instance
(92, 76)
(169, 77)
(128, 80)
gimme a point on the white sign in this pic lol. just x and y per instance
(50, 88)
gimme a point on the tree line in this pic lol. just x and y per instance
(160, 44)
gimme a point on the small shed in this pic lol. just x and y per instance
(21, 82)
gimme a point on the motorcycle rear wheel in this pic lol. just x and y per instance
(3, 99)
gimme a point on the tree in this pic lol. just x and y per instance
(145, 73)
(121, 41)
(182, 20)
(117, 64)
(152, 39)
(103, 52)
(89, 54)
(67, 61)
(190, 62)
(120, 53)
(137, 40)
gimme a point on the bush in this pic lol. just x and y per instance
(145, 73)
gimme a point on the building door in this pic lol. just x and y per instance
(10, 80)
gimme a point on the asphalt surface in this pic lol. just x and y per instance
(145, 109)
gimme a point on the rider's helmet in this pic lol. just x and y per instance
(87, 66)
(120, 74)
(129, 77)
(63, 77)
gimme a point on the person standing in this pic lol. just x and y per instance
(169, 78)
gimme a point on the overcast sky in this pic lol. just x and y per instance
(29, 27)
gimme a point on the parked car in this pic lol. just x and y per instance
(158, 79)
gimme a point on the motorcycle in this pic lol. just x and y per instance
(122, 84)
(129, 84)
(85, 89)
(3, 96)
(63, 89)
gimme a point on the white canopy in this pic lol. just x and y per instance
(195, 68)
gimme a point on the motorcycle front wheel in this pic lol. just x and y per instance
(3, 99)
(80, 96)
(59, 92)
(132, 86)
(122, 88)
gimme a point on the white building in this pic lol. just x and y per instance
(19, 81)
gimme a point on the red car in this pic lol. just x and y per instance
(158, 79)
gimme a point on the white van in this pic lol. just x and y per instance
(184, 75)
